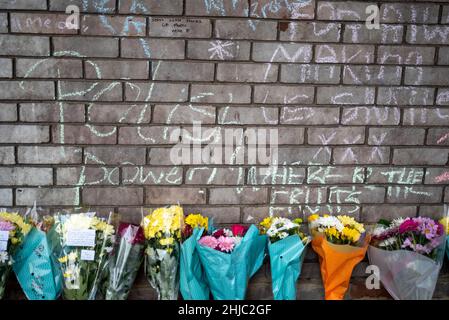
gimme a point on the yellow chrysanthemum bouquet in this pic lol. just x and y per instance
(163, 228)
(85, 244)
(13, 230)
(341, 244)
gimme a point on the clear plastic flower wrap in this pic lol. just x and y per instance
(409, 254)
(162, 229)
(125, 262)
(13, 231)
(36, 261)
(86, 242)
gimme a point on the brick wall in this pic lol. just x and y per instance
(363, 115)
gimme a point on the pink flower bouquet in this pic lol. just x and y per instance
(409, 254)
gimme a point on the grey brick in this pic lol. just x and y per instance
(345, 95)
(6, 197)
(310, 73)
(445, 15)
(86, 46)
(148, 135)
(215, 176)
(221, 215)
(426, 76)
(387, 33)
(151, 7)
(335, 175)
(51, 112)
(174, 195)
(27, 90)
(298, 195)
(405, 55)
(281, 52)
(26, 176)
(370, 115)
(396, 136)
(372, 214)
(271, 94)
(42, 23)
(245, 29)
(423, 156)
(335, 136)
(409, 13)
(425, 116)
(361, 155)
(5, 68)
(304, 155)
(152, 48)
(89, 91)
(112, 196)
(47, 196)
(183, 71)
(116, 69)
(395, 175)
(436, 176)
(7, 155)
(414, 194)
(443, 97)
(238, 8)
(24, 45)
(245, 195)
(156, 92)
(220, 93)
(438, 137)
(309, 115)
(115, 155)
(348, 53)
(218, 50)
(247, 72)
(98, 6)
(85, 176)
(113, 25)
(443, 55)
(356, 194)
(49, 68)
(183, 114)
(342, 10)
(405, 96)
(3, 22)
(49, 155)
(8, 112)
(23, 5)
(119, 113)
(372, 75)
(280, 175)
(180, 27)
(82, 134)
(427, 34)
(296, 9)
(248, 115)
(310, 31)
(24, 134)
(144, 175)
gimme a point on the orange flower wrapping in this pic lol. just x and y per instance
(336, 264)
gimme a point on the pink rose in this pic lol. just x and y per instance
(238, 230)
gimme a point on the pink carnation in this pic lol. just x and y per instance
(208, 241)
(226, 244)
(408, 225)
(6, 226)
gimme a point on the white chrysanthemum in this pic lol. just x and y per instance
(379, 230)
(323, 223)
(77, 222)
(280, 225)
(397, 222)
(227, 232)
(388, 242)
(283, 235)
(3, 256)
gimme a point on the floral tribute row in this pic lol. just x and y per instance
(82, 256)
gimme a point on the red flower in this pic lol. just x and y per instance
(187, 232)
(217, 234)
(408, 225)
(134, 236)
(239, 230)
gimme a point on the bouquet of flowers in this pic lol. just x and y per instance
(409, 254)
(286, 247)
(230, 257)
(35, 262)
(193, 282)
(86, 242)
(162, 229)
(126, 259)
(13, 230)
(445, 222)
(340, 243)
